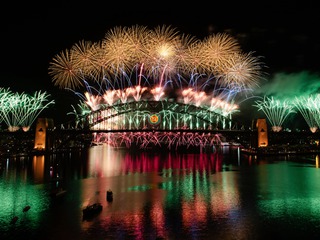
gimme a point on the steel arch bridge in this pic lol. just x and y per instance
(147, 124)
(156, 115)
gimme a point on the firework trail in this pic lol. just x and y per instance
(140, 64)
(309, 108)
(164, 58)
(275, 110)
(20, 110)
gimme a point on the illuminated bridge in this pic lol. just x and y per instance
(158, 124)
(145, 124)
(163, 115)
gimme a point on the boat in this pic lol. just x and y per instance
(14, 220)
(109, 196)
(59, 192)
(26, 208)
(92, 210)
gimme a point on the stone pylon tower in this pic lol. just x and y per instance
(41, 140)
(262, 132)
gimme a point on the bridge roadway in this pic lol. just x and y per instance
(85, 136)
(225, 132)
(247, 138)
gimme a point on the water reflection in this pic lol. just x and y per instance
(160, 194)
(106, 161)
(18, 190)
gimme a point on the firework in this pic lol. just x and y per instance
(85, 56)
(242, 71)
(188, 55)
(218, 49)
(309, 109)
(162, 48)
(152, 139)
(275, 110)
(64, 71)
(118, 51)
(162, 55)
(137, 64)
(20, 110)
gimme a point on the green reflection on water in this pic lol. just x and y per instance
(16, 193)
(288, 190)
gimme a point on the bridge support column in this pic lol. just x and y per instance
(41, 142)
(262, 133)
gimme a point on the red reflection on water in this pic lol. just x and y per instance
(146, 162)
(143, 202)
(105, 161)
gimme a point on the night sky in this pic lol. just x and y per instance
(283, 32)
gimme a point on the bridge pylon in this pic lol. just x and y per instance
(262, 132)
(41, 141)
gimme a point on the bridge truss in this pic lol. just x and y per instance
(147, 124)
(162, 115)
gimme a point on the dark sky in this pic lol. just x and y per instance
(285, 33)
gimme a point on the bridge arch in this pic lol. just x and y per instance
(160, 115)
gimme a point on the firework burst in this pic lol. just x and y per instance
(162, 55)
(242, 71)
(276, 111)
(64, 71)
(309, 109)
(20, 110)
(137, 64)
(84, 56)
(219, 49)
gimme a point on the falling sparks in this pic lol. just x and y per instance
(137, 64)
(276, 111)
(20, 110)
(162, 55)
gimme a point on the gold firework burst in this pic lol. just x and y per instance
(64, 72)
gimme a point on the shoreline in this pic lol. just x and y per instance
(282, 150)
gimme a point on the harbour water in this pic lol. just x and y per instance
(160, 195)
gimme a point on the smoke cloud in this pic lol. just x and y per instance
(290, 85)
(281, 86)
